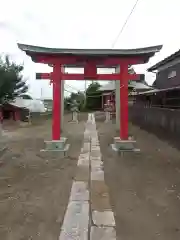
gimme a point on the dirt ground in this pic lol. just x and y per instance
(144, 187)
(35, 186)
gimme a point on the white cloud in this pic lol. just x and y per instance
(85, 24)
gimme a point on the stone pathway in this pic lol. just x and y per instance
(89, 215)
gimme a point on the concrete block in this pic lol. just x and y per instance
(96, 158)
(99, 196)
(97, 172)
(97, 175)
(105, 218)
(79, 191)
(103, 233)
(95, 148)
(96, 164)
(123, 145)
(86, 147)
(95, 153)
(76, 220)
(83, 160)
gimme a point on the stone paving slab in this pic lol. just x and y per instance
(97, 175)
(83, 159)
(99, 196)
(95, 158)
(103, 233)
(95, 143)
(96, 164)
(95, 148)
(84, 155)
(83, 162)
(79, 223)
(105, 219)
(79, 191)
(95, 154)
(86, 147)
(75, 225)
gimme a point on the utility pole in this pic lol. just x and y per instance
(85, 88)
(41, 93)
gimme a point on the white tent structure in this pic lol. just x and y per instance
(34, 105)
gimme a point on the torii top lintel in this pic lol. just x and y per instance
(77, 57)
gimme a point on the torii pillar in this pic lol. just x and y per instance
(57, 143)
(90, 59)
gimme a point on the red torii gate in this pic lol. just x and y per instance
(90, 59)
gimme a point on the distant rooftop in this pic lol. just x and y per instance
(108, 87)
(164, 61)
(134, 84)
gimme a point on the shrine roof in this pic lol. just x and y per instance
(37, 50)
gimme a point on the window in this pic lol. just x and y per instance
(172, 74)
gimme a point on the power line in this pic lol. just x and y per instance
(76, 88)
(124, 25)
(90, 96)
(71, 87)
(68, 91)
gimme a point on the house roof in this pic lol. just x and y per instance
(159, 90)
(146, 53)
(108, 87)
(164, 61)
(134, 84)
(34, 105)
(139, 85)
(18, 102)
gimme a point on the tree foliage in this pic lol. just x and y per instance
(93, 96)
(79, 97)
(131, 70)
(89, 101)
(11, 80)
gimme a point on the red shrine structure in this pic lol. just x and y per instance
(90, 60)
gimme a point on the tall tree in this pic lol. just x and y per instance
(131, 70)
(79, 97)
(11, 80)
(93, 96)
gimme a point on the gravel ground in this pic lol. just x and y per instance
(144, 187)
(35, 186)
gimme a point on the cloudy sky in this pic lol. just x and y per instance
(85, 24)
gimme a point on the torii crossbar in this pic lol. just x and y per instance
(90, 60)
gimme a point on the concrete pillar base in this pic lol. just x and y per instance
(57, 145)
(124, 145)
